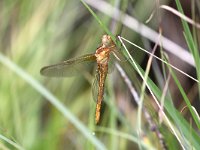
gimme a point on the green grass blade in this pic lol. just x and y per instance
(177, 119)
(11, 142)
(53, 100)
(99, 21)
(124, 135)
(187, 101)
(193, 49)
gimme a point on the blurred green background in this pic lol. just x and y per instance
(37, 33)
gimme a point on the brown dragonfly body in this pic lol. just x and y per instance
(102, 56)
(72, 66)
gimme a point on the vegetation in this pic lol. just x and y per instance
(148, 103)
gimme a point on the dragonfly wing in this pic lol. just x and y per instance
(119, 56)
(111, 64)
(95, 86)
(116, 56)
(69, 67)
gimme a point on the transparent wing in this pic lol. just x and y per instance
(117, 54)
(111, 64)
(95, 86)
(69, 67)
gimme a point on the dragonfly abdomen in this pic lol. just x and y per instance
(102, 72)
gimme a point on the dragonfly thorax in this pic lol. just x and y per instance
(102, 56)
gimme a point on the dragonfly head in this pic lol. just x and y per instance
(106, 41)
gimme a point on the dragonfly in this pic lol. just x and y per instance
(72, 66)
